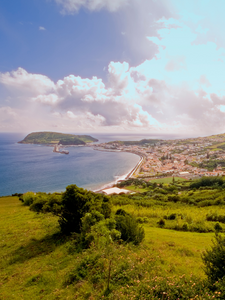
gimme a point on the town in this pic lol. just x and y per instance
(187, 158)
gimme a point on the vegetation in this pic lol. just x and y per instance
(210, 164)
(57, 138)
(147, 142)
(149, 245)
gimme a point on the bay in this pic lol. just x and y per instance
(37, 168)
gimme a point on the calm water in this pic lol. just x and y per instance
(36, 168)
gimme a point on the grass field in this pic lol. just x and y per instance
(167, 179)
(136, 188)
(35, 259)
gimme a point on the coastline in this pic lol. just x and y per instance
(125, 176)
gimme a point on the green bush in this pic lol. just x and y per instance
(218, 227)
(214, 260)
(161, 223)
(28, 198)
(130, 230)
(210, 181)
(72, 206)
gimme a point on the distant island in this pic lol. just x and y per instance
(57, 138)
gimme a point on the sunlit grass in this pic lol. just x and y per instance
(136, 188)
(179, 252)
(35, 260)
(167, 180)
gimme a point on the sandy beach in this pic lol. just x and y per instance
(122, 177)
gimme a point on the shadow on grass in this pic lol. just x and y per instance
(36, 248)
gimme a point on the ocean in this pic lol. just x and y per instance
(37, 168)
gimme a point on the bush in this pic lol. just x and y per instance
(28, 198)
(161, 223)
(71, 206)
(76, 202)
(218, 227)
(214, 260)
(130, 230)
(210, 181)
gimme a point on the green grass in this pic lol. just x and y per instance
(167, 179)
(33, 260)
(136, 188)
(36, 260)
(179, 252)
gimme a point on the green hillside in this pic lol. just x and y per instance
(38, 260)
(139, 143)
(57, 138)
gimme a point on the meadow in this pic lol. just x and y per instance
(39, 262)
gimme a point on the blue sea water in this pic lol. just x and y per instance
(37, 168)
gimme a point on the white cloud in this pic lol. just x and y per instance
(26, 83)
(134, 97)
(72, 6)
(41, 28)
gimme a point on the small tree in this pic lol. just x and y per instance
(127, 225)
(72, 206)
(76, 202)
(214, 259)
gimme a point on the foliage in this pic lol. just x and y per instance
(214, 259)
(54, 269)
(143, 142)
(207, 181)
(161, 223)
(212, 164)
(28, 198)
(72, 206)
(130, 230)
(56, 138)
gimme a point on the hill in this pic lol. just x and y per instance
(179, 220)
(148, 142)
(57, 138)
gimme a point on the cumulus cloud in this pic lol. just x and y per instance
(26, 83)
(179, 89)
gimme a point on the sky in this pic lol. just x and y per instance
(121, 66)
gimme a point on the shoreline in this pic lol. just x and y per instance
(122, 177)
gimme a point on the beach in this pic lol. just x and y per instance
(130, 174)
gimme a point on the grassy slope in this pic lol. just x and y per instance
(34, 262)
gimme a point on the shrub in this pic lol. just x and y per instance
(171, 217)
(185, 227)
(28, 198)
(214, 182)
(218, 227)
(161, 223)
(72, 206)
(214, 260)
(130, 230)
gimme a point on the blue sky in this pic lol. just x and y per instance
(112, 66)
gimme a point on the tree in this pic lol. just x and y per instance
(72, 206)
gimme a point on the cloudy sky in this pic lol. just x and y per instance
(137, 66)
